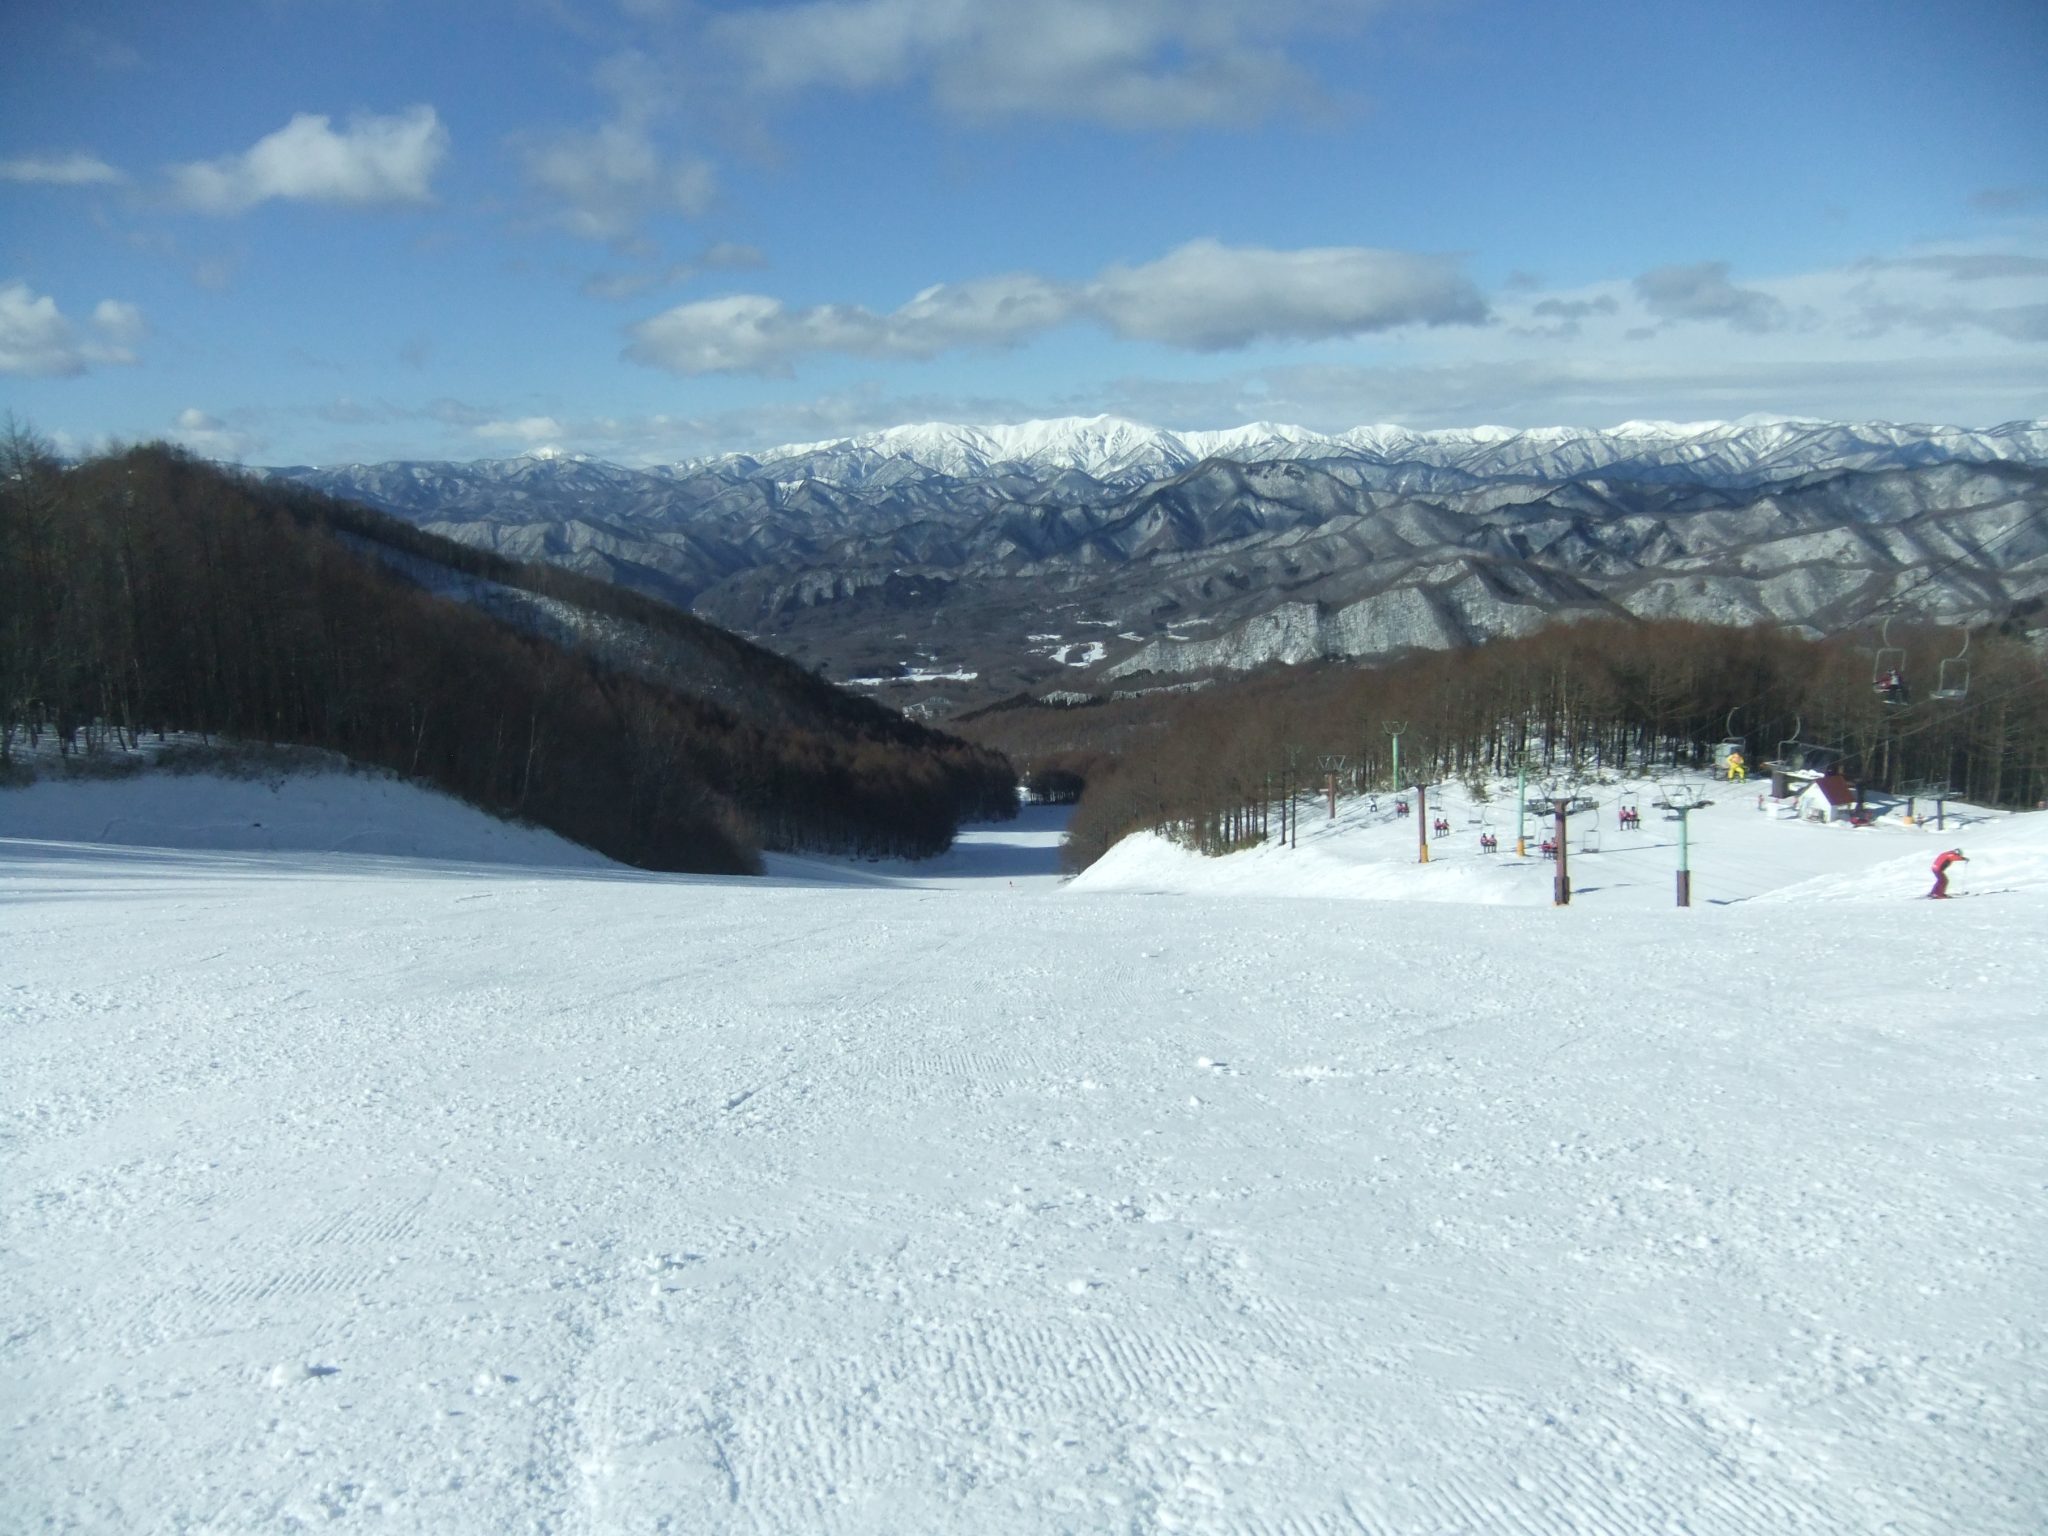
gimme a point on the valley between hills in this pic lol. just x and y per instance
(949, 567)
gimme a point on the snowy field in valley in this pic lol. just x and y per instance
(382, 1167)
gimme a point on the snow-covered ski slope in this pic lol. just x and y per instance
(1736, 850)
(379, 1193)
(311, 813)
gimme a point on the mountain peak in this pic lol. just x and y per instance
(1117, 450)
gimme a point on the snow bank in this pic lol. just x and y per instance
(1736, 852)
(327, 813)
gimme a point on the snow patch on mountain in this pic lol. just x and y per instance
(1402, 619)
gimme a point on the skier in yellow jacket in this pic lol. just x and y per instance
(1737, 770)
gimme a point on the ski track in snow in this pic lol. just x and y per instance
(344, 1191)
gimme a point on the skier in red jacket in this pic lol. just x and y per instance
(1942, 863)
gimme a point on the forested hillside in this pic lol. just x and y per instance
(1574, 698)
(147, 591)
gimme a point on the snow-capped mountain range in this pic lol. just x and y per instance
(1040, 554)
(1116, 451)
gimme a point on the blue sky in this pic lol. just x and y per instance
(325, 230)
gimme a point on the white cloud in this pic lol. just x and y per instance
(376, 160)
(35, 338)
(77, 169)
(1204, 296)
(723, 256)
(346, 411)
(2007, 199)
(1591, 390)
(1531, 387)
(1128, 63)
(102, 51)
(38, 341)
(210, 437)
(663, 438)
(744, 333)
(1955, 332)
(120, 322)
(532, 430)
(1964, 266)
(1575, 309)
(604, 183)
(630, 285)
(1213, 297)
(1702, 291)
(730, 256)
(2015, 322)
(215, 273)
(989, 311)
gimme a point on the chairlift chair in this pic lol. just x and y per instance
(1953, 681)
(1817, 759)
(1678, 797)
(1730, 743)
(1804, 757)
(1787, 755)
(1888, 668)
(1928, 789)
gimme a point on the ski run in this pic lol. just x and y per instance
(369, 1165)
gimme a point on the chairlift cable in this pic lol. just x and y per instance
(1949, 717)
(1894, 599)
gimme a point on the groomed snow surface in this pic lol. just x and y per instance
(473, 1185)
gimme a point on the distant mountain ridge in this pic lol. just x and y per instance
(1112, 449)
(1043, 554)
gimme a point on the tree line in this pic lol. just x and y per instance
(1206, 765)
(147, 592)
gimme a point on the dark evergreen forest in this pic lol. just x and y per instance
(146, 591)
(1208, 765)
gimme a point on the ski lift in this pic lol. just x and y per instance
(1729, 744)
(1954, 679)
(1680, 798)
(1797, 756)
(1589, 840)
(1919, 791)
(1888, 668)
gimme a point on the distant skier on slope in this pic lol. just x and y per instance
(1943, 862)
